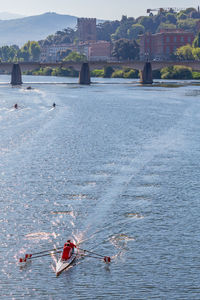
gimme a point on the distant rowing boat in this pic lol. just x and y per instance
(62, 265)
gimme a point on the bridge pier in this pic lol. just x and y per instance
(16, 76)
(84, 75)
(146, 74)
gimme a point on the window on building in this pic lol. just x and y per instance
(167, 49)
(167, 39)
(182, 39)
(189, 39)
(175, 39)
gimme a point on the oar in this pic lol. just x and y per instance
(44, 255)
(27, 256)
(91, 252)
(86, 255)
(106, 258)
(44, 251)
(50, 250)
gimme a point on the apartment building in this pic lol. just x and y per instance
(50, 53)
(161, 45)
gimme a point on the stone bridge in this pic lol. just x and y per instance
(85, 68)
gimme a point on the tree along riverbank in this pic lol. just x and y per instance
(174, 72)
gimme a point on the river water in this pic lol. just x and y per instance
(116, 167)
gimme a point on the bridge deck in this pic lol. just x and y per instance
(138, 65)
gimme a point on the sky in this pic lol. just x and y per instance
(101, 9)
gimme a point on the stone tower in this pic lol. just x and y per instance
(86, 29)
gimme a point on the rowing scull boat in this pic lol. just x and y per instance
(62, 265)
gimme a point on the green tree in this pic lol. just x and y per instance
(156, 74)
(118, 74)
(30, 51)
(135, 31)
(97, 73)
(130, 73)
(23, 55)
(196, 75)
(196, 53)
(8, 53)
(166, 26)
(194, 15)
(188, 24)
(76, 57)
(196, 42)
(63, 53)
(189, 10)
(106, 29)
(176, 72)
(185, 53)
(122, 30)
(171, 18)
(147, 23)
(124, 49)
(34, 50)
(67, 35)
(181, 16)
(47, 71)
(25, 51)
(108, 72)
(64, 72)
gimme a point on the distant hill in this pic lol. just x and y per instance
(8, 16)
(19, 31)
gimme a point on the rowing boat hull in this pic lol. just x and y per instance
(62, 265)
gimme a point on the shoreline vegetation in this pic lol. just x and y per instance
(175, 72)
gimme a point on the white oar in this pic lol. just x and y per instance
(29, 256)
(107, 259)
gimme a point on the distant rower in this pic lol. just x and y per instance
(16, 106)
(54, 105)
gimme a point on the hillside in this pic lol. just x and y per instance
(8, 16)
(19, 31)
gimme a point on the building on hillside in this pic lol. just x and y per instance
(50, 53)
(87, 29)
(162, 45)
(83, 48)
(100, 50)
(96, 51)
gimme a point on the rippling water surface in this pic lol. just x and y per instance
(116, 167)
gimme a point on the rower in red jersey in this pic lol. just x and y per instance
(68, 250)
(71, 245)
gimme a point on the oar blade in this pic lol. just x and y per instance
(107, 259)
(22, 260)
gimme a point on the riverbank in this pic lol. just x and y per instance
(174, 72)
